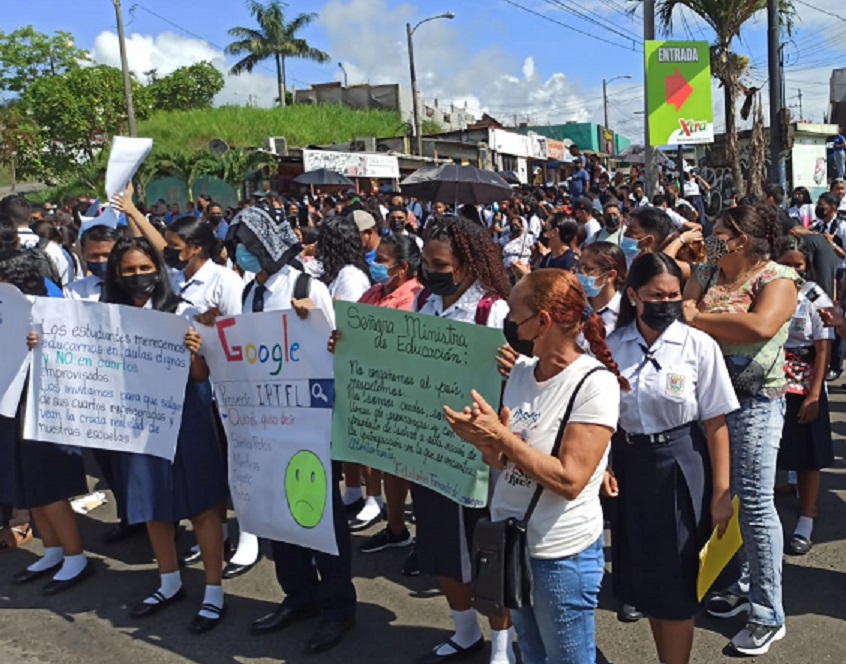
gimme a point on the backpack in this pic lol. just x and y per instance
(301, 288)
(46, 267)
(483, 310)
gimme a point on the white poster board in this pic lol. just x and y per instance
(353, 164)
(108, 377)
(15, 311)
(274, 385)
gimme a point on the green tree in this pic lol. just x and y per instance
(726, 18)
(274, 38)
(27, 55)
(187, 88)
(20, 144)
(190, 166)
(236, 166)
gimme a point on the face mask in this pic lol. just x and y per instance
(248, 261)
(629, 247)
(716, 248)
(215, 219)
(99, 270)
(139, 286)
(820, 212)
(379, 273)
(171, 258)
(612, 222)
(512, 336)
(659, 316)
(397, 225)
(589, 285)
(441, 283)
(515, 229)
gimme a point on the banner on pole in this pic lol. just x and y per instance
(678, 93)
(273, 382)
(394, 372)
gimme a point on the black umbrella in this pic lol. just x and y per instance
(323, 177)
(450, 183)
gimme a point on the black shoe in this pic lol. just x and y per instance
(121, 532)
(201, 624)
(284, 615)
(329, 634)
(192, 557)
(25, 575)
(231, 570)
(385, 539)
(353, 508)
(357, 524)
(628, 614)
(143, 610)
(56, 587)
(411, 567)
(798, 545)
(458, 652)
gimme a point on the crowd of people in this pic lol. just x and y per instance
(693, 354)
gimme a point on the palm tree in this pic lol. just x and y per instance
(275, 39)
(235, 166)
(726, 18)
(190, 166)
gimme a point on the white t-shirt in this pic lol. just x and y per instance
(806, 326)
(592, 227)
(350, 284)
(558, 527)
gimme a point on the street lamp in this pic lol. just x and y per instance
(418, 128)
(605, 99)
(346, 80)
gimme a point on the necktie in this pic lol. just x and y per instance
(258, 298)
(648, 356)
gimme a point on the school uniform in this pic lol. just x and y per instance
(610, 312)
(660, 458)
(89, 289)
(211, 286)
(805, 446)
(444, 528)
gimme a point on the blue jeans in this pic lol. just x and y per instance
(755, 433)
(559, 627)
(840, 164)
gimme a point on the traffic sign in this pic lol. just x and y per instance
(678, 93)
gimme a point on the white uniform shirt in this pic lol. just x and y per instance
(558, 527)
(691, 384)
(89, 289)
(280, 290)
(464, 309)
(610, 312)
(212, 286)
(806, 326)
(676, 219)
(350, 284)
(691, 188)
(837, 228)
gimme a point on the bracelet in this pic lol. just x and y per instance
(681, 239)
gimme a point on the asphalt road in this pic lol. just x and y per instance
(399, 619)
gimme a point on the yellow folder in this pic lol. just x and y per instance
(717, 553)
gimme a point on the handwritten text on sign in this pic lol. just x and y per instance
(108, 377)
(14, 326)
(394, 372)
(273, 382)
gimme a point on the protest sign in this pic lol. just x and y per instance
(14, 360)
(273, 382)
(108, 377)
(394, 372)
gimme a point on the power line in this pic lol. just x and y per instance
(606, 25)
(822, 11)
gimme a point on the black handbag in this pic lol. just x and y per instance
(747, 376)
(502, 571)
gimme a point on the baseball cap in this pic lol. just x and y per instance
(363, 220)
(582, 203)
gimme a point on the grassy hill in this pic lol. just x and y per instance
(248, 127)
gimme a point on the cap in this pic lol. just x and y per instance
(363, 220)
(582, 203)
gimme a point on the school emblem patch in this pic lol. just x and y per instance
(675, 384)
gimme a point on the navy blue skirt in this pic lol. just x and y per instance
(806, 446)
(158, 490)
(34, 474)
(663, 520)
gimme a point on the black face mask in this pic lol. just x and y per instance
(397, 225)
(99, 270)
(441, 283)
(171, 258)
(659, 316)
(515, 230)
(139, 286)
(612, 222)
(215, 219)
(512, 337)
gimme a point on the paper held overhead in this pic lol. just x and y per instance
(126, 156)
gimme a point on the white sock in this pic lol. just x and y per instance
(213, 596)
(53, 555)
(805, 527)
(502, 646)
(248, 550)
(371, 509)
(467, 631)
(351, 494)
(171, 584)
(792, 477)
(71, 568)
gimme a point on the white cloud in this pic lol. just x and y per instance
(168, 51)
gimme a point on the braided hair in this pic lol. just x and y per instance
(475, 250)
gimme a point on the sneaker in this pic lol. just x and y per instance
(798, 545)
(411, 567)
(831, 376)
(755, 639)
(727, 605)
(385, 539)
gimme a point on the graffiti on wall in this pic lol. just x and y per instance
(721, 179)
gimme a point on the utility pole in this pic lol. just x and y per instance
(124, 65)
(651, 164)
(776, 101)
(801, 114)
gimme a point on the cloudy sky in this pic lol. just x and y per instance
(529, 60)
